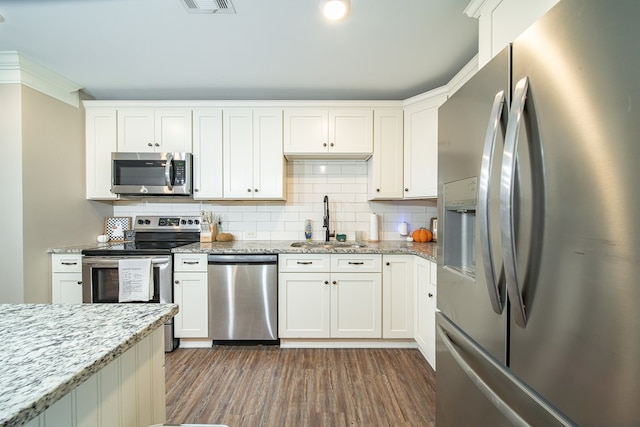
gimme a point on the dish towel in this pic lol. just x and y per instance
(136, 279)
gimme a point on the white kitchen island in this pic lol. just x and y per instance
(82, 365)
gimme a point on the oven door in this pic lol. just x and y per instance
(100, 279)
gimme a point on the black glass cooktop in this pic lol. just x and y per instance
(144, 244)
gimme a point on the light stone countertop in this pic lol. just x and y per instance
(424, 250)
(49, 349)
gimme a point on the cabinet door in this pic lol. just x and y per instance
(305, 130)
(386, 163)
(237, 148)
(356, 305)
(173, 130)
(425, 308)
(191, 294)
(421, 149)
(397, 296)
(207, 153)
(101, 141)
(149, 129)
(268, 160)
(351, 131)
(66, 288)
(303, 305)
(136, 130)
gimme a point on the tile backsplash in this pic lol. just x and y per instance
(307, 182)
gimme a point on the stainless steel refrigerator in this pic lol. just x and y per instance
(539, 213)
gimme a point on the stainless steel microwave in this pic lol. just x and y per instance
(151, 174)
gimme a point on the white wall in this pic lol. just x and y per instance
(11, 250)
(44, 201)
(345, 182)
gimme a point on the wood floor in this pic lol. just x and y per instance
(243, 386)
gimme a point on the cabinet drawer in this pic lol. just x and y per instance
(356, 263)
(190, 262)
(308, 263)
(66, 263)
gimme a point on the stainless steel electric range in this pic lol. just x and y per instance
(152, 237)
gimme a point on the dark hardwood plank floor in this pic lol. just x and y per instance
(243, 386)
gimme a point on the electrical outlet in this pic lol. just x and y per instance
(250, 235)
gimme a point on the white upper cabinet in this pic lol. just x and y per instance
(154, 129)
(101, 141)
(341, 133)
(207, 153)
(252, 152)
(386, 163)
(501, 21)
(421, 146)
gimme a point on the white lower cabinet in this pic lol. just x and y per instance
(66, 278)
(191, 293)
(397, 296)
(425, 308)
(344, 300)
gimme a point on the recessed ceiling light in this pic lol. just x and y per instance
(335, 10)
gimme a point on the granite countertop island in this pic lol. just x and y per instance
(48, 350)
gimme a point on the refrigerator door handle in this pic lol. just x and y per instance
(519, 395)
(507, 187)
(484, 190)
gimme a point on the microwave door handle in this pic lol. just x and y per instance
(167, 171)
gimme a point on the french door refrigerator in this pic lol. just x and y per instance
(539, 208)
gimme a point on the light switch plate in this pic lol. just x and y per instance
(248, 235)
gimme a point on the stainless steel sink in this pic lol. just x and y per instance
(328, 245)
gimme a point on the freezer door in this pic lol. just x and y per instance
(486, 392)
(578, 344)
(464, 294)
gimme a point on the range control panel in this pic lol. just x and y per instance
(167, 223)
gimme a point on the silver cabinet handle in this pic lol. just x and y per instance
(357, 263)
(507, 187)
(458, 343)
(68, 263)
(191, 262)
(484, 191)
(304, 262)
(167, 171)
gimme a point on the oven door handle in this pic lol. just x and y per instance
(167, 171)
(112, 262)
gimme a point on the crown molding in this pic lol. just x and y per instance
(463, 75)
(16, 68)
(474, 8)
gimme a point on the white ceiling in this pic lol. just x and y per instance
(269, 49)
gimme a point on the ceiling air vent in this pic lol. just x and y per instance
(209, 6)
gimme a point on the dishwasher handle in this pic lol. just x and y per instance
(243, 259)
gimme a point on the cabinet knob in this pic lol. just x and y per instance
(79, 282)
(248, 190)
(157, 145)
(331, 145)
(255, 191)
(406, 189)
(195, 190)
(177, 282)
(150, 144)
(377, 190)
(326, 282)
(324, 144)
(388, 263)
(334, 282)
(430, 295)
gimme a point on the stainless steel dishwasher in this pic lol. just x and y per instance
(243, 297)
